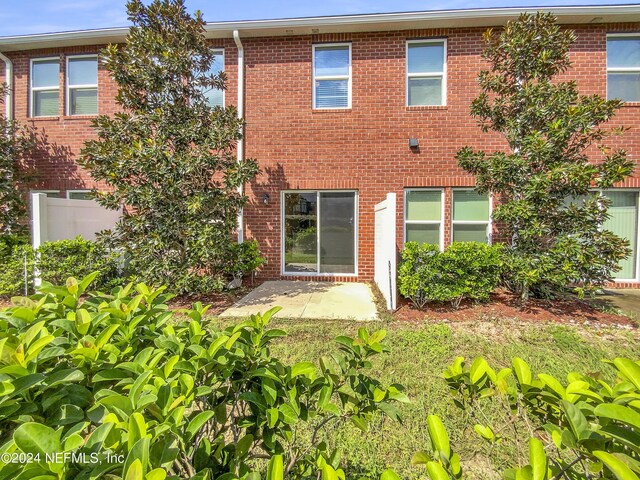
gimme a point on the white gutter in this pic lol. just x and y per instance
(438, 15)
(8, 78)
(480, 17)
(240, 106)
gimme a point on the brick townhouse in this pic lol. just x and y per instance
(340, 111)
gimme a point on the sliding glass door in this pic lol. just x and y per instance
(319, 232)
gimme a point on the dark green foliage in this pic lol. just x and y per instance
(122, 372)
(474, 268)
(168, 156)
(16, 256)
(9, 241)
(419, 276)
(78, 257)
(244, 258)
(16, 140)
(579, 429)
(551, 131)
(464, 270)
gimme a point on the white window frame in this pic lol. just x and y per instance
(70, 192)
(330, 77)
(45, 192)
(282, 234)
(219, 52)
(489, 222)
(620, 69)
(601, 192)
(33, 89)
(440, 222)
(68, 87)
(442, 74)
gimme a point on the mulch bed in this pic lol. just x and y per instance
(504, 305)
(219, 301)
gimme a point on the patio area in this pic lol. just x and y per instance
(309, 300)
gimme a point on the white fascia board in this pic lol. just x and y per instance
(479, 17)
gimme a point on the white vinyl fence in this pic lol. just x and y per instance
(64, 219)
(385, 255)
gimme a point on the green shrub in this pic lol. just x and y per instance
(464, 270)
(120, 372)
(9, 241)
(78, 257)
(16, 256)
(53, 260)
(420, 276)
(193, 284)
(244, 258)
(583, 428)
(473, 268)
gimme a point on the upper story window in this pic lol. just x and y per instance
(45, 90)
(426, 72)
(82, 85)
(332, 76)
(623, 67)
(215, 96)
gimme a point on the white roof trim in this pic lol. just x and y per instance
(477, 17)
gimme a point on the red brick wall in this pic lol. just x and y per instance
(364, 148)
(63, 137)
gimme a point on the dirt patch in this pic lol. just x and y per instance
(504, 305)
(219, 301)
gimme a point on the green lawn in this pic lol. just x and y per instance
(419, 354)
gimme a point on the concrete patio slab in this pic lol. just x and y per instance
(308, 300)
(625, 299)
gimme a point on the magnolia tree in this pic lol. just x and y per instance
(15, 141)
(168, 156)
(546, 185)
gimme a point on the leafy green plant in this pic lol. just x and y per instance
(167, 155)
(473, 268)
(464, 270)
(54, 261)
(244, 258)
(551, 131)
(9, 241)
(419, 276)
(442, 463)
(78, 257)
(583, 428)
(16, 257)
(120, 376)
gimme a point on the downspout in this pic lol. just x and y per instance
(240, 149)
(8, 78)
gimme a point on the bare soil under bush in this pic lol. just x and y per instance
(504, 305)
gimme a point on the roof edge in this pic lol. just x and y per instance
(340, 23)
